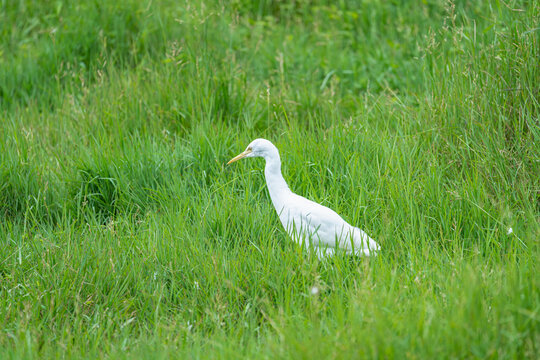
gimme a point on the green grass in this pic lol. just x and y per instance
(123, 234)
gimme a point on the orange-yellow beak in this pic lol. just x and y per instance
(240, 156)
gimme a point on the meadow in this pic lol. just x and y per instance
(123, 234)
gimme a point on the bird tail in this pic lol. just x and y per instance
(365, 245)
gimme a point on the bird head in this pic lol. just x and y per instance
(257, 148)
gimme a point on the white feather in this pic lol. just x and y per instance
(307, 222)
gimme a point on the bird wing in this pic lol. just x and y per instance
(306, 219)
(323, 227)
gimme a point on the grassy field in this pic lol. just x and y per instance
(123, 234)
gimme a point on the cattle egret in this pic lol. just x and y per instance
(303, 219)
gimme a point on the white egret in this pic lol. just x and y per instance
(304, 219)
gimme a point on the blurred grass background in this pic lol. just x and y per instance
(123, 234)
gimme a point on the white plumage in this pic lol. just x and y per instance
(304, 219)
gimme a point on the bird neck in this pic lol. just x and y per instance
(277, 187)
